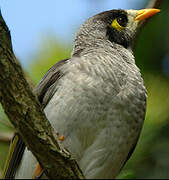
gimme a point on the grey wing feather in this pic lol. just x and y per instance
(17, 148)
(44, 92)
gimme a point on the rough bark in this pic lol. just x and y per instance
(25, 113)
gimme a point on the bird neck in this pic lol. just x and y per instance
(80, 48)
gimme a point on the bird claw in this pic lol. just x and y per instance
(60, 137)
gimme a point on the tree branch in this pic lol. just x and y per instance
(154, 3)
(5, 137)
(25, 113)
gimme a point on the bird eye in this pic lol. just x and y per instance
(119, 23)
(122, 20)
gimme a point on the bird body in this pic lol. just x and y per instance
(96, 100)
(95, 111)
(96, 117)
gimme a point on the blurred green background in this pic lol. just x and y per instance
(151, 156)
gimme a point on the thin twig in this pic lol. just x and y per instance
(154, 3)
(5, 137)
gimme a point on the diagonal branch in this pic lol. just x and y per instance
(25, 113)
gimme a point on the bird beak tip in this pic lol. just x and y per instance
(146, 13)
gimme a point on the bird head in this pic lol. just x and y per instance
(116, 26)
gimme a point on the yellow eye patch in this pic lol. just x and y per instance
(116, 25)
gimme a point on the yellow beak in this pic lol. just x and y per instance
(146, 13)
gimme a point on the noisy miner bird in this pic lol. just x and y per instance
(95, 100)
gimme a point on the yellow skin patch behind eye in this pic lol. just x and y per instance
(116, 25)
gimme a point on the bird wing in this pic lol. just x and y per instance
(44, 91)
(17, 148)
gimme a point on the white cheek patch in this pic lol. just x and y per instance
(132, 23)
